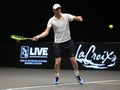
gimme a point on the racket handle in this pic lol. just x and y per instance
(30, 38)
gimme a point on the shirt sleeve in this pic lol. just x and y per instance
(70, 17)
(49, 24)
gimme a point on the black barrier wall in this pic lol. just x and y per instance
(103, 56)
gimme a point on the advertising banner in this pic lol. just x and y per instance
(104, 55)
(98, 55)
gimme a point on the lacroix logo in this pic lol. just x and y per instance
(91, 59)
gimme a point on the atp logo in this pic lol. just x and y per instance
(24, 52)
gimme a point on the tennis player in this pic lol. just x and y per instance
(62, 40)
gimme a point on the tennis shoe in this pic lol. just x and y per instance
(79, 80)
(56, 80)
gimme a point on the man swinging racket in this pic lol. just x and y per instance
(62, 40)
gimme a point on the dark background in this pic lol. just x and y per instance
(29, 18)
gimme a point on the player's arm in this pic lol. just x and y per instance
(42, 35)
(78, 18)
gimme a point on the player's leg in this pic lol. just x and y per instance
(76, 70)
(74, 63)
(57, 55)
(57, 70)
(71, 53)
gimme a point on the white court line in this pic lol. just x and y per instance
(45, 86)
(110, 83)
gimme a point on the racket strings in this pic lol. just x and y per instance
(17, 37)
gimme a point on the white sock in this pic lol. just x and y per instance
(76, 73)
(57, 74)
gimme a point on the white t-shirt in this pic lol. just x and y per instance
(61, 27)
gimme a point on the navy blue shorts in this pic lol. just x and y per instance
(67, 47)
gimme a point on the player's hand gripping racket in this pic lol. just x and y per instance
(19, 38)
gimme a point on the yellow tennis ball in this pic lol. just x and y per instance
(110, 26)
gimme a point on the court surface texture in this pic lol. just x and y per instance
(42, 79)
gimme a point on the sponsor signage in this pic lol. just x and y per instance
(33, 55)
(88, 55)
(92, 58)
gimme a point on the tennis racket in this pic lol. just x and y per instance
(19, 38)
